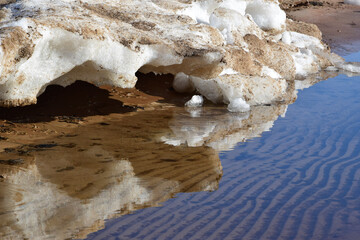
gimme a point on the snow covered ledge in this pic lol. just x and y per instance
(237, 47)
(61, 57)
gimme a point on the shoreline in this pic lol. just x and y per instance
(338, 22)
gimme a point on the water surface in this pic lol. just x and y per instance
(301, 180)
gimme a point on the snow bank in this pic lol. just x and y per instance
(201, 42)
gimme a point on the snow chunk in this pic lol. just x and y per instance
(350, 67)
(200, 11)
(208, 88)
(195, 101)
(24, 23)
(182, 83)
(236, 5)
(267, 16)
(305, 62)
(238, 105)
(286, 38)
(269, 72)
(228, 71)
(301, 40)
(230, 21)
(227, 88)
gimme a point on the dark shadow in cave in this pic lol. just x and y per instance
(161, 86)
(70, 104)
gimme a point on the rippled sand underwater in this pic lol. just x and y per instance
(119, 176)
(301, 180)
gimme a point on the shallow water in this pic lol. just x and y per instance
(301, 180)
(283, 172)
(353, 57)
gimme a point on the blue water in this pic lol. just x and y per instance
(353, 57)
(301, 180)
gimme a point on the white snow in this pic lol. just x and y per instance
(267, 15)
(304, 62)
(195, 101)
(208, 88)
(266, 71)
(182, 83)
(228, 71)
(353, 67)
(229, 21)
(229, 88)
(236, 5)
(286, 37)
(305, 59)
(238, 105)
(24, 23)
(301, 40)
(200, 11)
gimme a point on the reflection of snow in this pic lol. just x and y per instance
(69, 194)
(219, 129)
(47, 212)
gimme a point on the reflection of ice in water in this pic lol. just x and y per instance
(110, 171)
(45, 211)
(220, 129)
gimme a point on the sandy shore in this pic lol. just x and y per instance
(339, 22)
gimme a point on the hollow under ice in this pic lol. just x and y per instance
(229, 51)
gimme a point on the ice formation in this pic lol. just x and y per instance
(225, 49)
(195, 101)
(238, 105)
